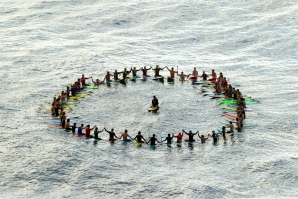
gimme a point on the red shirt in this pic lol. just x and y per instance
(87, 130)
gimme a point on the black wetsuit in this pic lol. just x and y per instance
(190, 136)
(155, 102)
(73, 129)
(145, 71)
(139, 138)
(112, 135)
(169, 140)
(204, 76)
(215, 137)
(156, 71)
(96, 135)
(153, 140)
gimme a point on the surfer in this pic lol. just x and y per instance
(169, 139)
(125, 135)
(67, 125)
(96, 82)
(204, 76)
(190, 135)
(80, 129)
(124, 74)
(139, 138)
(88, 131)
(112, 134)
(156, 70)
(116, 75)
(153, 140)
(231, 126)
(73, 128)
(155, 102)
(96, 132)
(172, 72)
(134, 71)
(179, 137)
(108, 77)
(195, 73)
(214, 136)
(223, 132)
(182, 76)
(144, 70)
(202, 137)
(83, 80)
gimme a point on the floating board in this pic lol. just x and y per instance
(235, 132)
(138, 144)
(54, 127)
(91, 87)
(154, 109)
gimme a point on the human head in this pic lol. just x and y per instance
(169, 135)
(125, 131)
(82, 125)
(68, 120)
(139, 133)
(153, 135)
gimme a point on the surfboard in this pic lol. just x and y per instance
(154, 109)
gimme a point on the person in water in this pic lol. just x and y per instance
(108, 77)
(140, 138)
(204, 76)
(83, 80)
(179, 137)
(156, 70)
(202, 137)
(183, 76)
(154, 102)
(144, 70)
(96, 132)
(169, 139)
(172, 72)
(223, 132)
(73, 128)
(67, 125)
(88, 131)
(153, 140)
(134, 71)
(125, 135)
(190, 135)
(195, 72)
(96, 82)
(80, 129)
(214, 136)
(112, 134)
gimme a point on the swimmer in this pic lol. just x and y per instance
(202, 137)
(112, 134)
(169, 139)
(139, 138)
(125, 135)
(190, 135)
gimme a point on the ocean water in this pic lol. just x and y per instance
(45, 46)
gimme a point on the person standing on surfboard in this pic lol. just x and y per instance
(190, 135)
(144, 70)
(112, 134)
(154, 102)
(179, 137)
(125, 135)
(139, 138)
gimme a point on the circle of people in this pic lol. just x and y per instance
(220, 83)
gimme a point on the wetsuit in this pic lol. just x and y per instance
(96, 135)
(204, 75)
(156, 71)
(215, 137)
(139, 138)
(112, 135)
(145, 72)
(73, 129)
(116, 75)
(153, 140)
(190, 136)
(155, 102)
(169, 140)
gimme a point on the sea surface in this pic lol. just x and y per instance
(46, 46)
